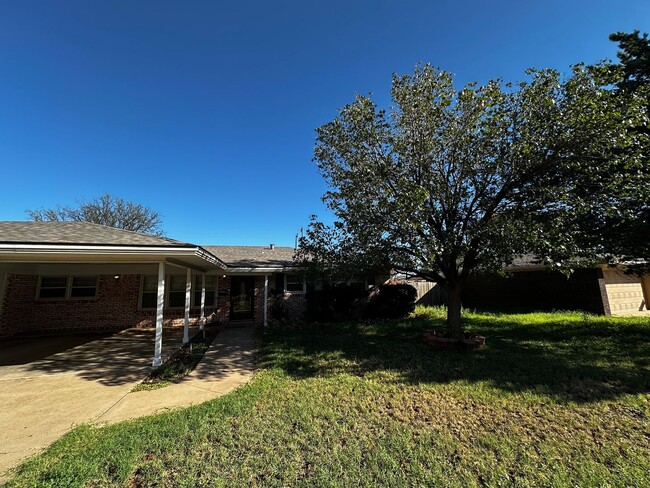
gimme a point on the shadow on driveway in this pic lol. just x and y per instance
(114, 359)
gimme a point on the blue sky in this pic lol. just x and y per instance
(205, 111)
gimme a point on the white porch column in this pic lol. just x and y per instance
(188, 297)
(160, 303)
(202, 301)
(266, 300)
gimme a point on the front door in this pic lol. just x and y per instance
(241, 297)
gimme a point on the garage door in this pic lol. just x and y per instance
(625, 293)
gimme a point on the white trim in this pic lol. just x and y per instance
(168, 277)
(258, 271)
(160, 305)
(34, 252)
(304, 286)
(142, 277)
(202, 319)
(188, 298)
(266, 300)
(198, 286)
(68, 288)
(168, 291)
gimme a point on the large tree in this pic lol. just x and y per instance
(634, 60)
(106, 210)
(625, 228)
(448, 182)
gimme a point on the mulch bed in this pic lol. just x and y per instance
(181, 363)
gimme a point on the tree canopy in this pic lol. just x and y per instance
(634, 59)
(106, 210)
(449, 181)
(622, 220)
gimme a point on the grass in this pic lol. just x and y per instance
(180, 364)
(552, 400)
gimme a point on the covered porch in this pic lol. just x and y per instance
(63, 292)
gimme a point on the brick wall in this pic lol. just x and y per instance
(223, 300)
(294, 304)
(114, 308)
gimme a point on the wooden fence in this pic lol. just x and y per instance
(429, 294)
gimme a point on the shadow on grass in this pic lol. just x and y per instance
(569, 357)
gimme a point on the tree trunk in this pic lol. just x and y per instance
(454, 307)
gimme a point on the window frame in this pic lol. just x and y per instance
(196, 290)
(68, 288)
(296, 292)
(168, 291)
(142, 278)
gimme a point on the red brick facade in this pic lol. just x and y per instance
(294, 301)
(114, 308)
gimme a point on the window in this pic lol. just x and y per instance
(210, 290)
(83, 287)
(53, 287)
(367, 283)
(175, 291)
(149, 291)
(67, 287)
(176, 296)
(294, 284)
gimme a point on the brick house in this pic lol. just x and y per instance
(602, 290)
(76, 276)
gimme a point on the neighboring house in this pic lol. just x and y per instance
(602, 290)
(77, 276)
(527, 285)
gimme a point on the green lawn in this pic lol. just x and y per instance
(552, 400)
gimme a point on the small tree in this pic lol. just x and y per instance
(447, 182)
(106, 210)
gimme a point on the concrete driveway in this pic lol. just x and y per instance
(49, 385)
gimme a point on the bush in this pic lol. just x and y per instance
(392, 301)
(334, 303)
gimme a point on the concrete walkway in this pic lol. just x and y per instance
(89, 381)
(226, 365)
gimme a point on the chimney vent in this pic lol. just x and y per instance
(271, 246)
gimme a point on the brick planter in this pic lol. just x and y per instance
(469, 342)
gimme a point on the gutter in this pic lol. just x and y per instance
(13, 250)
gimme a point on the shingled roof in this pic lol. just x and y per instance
(253, 256)
(84, 233)
(88, 234)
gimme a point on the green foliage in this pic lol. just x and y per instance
(392, 301)
(634, 58)
(106, 210)
(619, 216)
(336, 302)
(448, 181)
(556, 399)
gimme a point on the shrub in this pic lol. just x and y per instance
(338, 302)
(392, 301)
